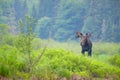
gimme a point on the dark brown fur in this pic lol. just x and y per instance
(85, 43)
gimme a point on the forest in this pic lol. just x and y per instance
(37, 39)
(63, 18)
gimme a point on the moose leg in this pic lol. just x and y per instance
(83, 52)
(90, 52)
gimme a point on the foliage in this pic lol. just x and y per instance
(65, 63)
(25, 37)
(24, 41)
(47, 8)
(10, 61)
(57, 63)
(6, 36)
(43, 27)
(101, 18)
(68, 19)
(115, 60)
(20, 53)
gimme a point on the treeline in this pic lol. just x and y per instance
(60, 19)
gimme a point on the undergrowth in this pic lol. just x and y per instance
(56, 63)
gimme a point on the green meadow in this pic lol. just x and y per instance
(60, 60)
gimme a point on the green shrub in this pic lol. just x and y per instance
(10, 60)
(5, 70)
(64, 63)
(55, 63)
(115, 60)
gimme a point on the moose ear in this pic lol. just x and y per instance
(79, 34)
(88, 35)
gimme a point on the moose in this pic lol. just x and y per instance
(85, 43)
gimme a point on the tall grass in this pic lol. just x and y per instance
(74, 46)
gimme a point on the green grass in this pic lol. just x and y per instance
(98, 47)
(61, 60)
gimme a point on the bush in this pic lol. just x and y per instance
(64, 63)
(115, 60)
(11, 60)
(54, 64)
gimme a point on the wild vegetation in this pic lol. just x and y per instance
(24, 56)
(37, 39)
(60, 60)
(64, 17)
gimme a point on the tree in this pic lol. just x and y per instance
(47, 8)
(24, 43)
(34, 12)
(24, 40)
(70, 17)
(5, 7)
(101, 19)
(20, 9)
(43, 27)
(6, 36)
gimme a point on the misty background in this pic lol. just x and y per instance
(60, 19)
